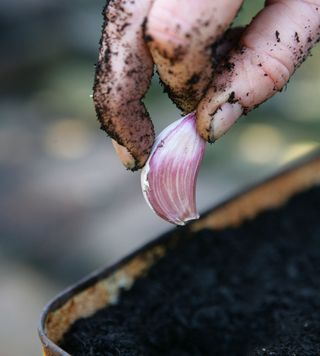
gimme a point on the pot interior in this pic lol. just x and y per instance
(103, 288)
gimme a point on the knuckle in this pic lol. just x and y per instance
(277, 69)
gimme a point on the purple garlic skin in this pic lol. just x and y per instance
(169, 177)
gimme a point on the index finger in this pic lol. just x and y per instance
(123, 75)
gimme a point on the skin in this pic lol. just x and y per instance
(182, 47)
(123, 75)
(220, 73)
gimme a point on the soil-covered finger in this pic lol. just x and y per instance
(123, 75)
(180, 35)
(274, 45)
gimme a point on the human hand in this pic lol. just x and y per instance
(220, 74)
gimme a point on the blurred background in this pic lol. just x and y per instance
(67, 205)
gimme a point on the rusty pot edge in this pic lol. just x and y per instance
(52, 349)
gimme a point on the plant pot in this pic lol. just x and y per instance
(102, 288)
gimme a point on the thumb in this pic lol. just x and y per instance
(273, 46)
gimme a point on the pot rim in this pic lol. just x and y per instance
(100, 274)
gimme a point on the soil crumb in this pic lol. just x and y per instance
(254, 290)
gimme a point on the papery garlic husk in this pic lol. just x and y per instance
(169, 177)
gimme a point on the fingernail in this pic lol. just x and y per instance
(226, 115)
(124, 155)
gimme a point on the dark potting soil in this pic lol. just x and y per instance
(254, 290)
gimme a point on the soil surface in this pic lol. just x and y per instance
(254, 290)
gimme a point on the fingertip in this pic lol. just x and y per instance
(127, 158)
(216, 114)
(203, 122)
(224, 118)
(124, 155)
(206, 109)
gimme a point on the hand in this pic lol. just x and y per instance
(220, 74)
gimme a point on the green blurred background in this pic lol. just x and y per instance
(67, 205)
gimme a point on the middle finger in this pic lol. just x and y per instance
(180, 34)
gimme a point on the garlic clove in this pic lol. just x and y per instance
(168, 179)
